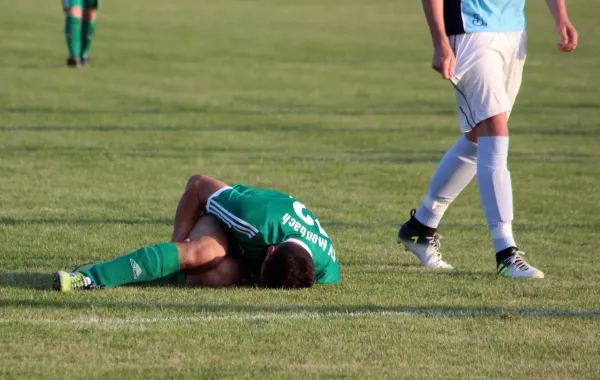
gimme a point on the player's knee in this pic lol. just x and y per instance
(472, 136)
(89, 14)
(211, 233)
(193, 256)
(75, 12)
(199, 255)
(496, 125)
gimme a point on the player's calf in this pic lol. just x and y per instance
(88, 29)
(73, 25)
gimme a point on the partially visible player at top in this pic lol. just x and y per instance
(80, 26)
(223, 236)
(480, 46)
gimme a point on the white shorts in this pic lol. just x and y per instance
(487, 75)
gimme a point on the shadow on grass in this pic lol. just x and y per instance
(460, 226)
(44, 282)
(363, 267)
(249, 312)
(396, 156)
(363, 156)
(417, 108)
(297, 110)
(26, 280)
(14, 221)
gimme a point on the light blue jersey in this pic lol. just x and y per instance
(469, 16)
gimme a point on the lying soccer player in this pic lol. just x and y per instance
(224, 235)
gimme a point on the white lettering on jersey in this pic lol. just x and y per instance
(321, 230)
(331, 253)
(299, 207)
(323, 243)
(304, 232)
(297, 226)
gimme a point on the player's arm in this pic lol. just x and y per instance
(199, 188)
(443, 57)
(565, 29)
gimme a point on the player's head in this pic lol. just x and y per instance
(288, 265)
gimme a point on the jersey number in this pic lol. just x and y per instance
(299, 208)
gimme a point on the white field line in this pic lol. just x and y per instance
(441, 313)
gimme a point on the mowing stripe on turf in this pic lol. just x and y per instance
(336, 314)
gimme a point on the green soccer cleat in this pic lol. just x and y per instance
(66, 282)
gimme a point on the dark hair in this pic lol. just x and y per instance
(289, 266)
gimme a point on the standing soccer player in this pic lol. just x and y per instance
(480, 46)
(80, 25)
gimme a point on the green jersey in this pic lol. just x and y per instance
(262, 218)
(84, 4)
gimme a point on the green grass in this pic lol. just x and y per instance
(333, 102)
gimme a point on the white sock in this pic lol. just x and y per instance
(456, 169)
(495, 189)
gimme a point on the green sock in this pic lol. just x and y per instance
(73, 35)
(144, 265)
(87, 34)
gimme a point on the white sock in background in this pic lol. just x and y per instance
(456, 169)
(495, 189)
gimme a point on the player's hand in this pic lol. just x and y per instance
(568, 35)
(443, 61)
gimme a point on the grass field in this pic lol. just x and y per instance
(333, 102)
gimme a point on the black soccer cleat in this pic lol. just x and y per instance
(425, 247)
(73, 62)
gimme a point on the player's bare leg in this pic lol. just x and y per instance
(228, 272)
(199, 188)
(88, 29)
(151, 263)
(202, 258)
(155, 262)
(207, 246)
